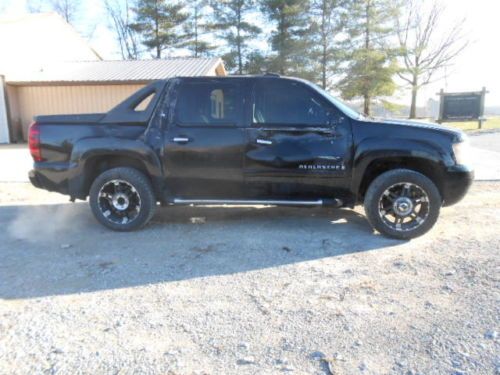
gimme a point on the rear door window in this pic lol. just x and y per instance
(209, 104)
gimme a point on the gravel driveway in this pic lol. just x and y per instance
(246, 291)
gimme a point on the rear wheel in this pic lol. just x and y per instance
(122, 199)
(402, 204)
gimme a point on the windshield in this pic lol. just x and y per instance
(339, 103)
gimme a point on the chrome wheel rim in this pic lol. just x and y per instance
(404, 206)
(119, 201)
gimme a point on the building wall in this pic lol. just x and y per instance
(25, 102)
(4, 124)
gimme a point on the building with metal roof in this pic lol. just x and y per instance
(121, 71)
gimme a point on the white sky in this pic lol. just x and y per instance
(476, 67)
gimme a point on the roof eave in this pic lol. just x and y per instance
(81, 83)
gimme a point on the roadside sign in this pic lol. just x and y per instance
(462, 106)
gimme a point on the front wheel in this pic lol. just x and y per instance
(402, 204)
(122, 199)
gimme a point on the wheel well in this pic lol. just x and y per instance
(379, 166)
(99, 164)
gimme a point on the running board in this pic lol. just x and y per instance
(271, 202)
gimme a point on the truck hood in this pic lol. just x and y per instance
(422, 125)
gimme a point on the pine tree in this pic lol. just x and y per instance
(290, 40)
(256, 63)
(372, 62)
(329, 19)
(233, 26)
(197, 27)
(159, 22)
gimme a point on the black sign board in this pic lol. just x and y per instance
(462, 106)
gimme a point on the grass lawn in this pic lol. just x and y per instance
(491, 123)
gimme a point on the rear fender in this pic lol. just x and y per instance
(90, 150)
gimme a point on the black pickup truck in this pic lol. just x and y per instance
(249, 140)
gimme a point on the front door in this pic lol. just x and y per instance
(205, 140)
(299, 143)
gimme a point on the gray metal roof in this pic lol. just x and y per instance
(117, 71)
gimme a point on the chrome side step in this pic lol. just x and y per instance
(245, 202)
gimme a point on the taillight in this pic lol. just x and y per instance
(34, 142)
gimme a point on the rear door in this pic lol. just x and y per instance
(205, 139)
(298, 144)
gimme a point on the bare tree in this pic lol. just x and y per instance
(425, 49)
(68, 9)
(120, 15)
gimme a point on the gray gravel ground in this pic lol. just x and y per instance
(246, 291)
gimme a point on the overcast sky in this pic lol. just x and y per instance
(478, 65)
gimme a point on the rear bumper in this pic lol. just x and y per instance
(49, 180)
(60, 177)
(35, 179)
(456, 183)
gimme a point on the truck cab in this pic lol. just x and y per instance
(261, 138)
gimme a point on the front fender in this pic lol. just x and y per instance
(377, 148)
(91, 148)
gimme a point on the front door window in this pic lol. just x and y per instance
(289, 103)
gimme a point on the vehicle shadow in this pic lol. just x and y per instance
(60, 249)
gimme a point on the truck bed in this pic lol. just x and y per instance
(71, 119)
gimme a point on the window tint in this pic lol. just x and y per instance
(283, 102)
(209, 104)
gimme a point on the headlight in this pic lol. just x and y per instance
(462, 152)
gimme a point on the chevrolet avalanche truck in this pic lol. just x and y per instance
(249, 140)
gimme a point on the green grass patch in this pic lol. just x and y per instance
(489, 124)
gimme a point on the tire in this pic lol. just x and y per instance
(122, 199)
(393, 194)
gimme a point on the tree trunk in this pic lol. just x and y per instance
(324, 44)
(366, 95)
(238, 39)
(281, 44)
(323, 75)
(196, 31)
(157, 32)
(414, 90)
(240, 60)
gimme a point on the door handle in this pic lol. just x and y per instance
(264, 142)
(181, 139)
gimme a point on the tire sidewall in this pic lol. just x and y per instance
(387, 179)
(141, 184)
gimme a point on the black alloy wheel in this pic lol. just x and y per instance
(402, 203)
(122, 199)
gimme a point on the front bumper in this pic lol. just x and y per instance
(456, 183)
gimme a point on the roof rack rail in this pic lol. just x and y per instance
(272, 75)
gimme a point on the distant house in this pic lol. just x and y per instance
(49, 69)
